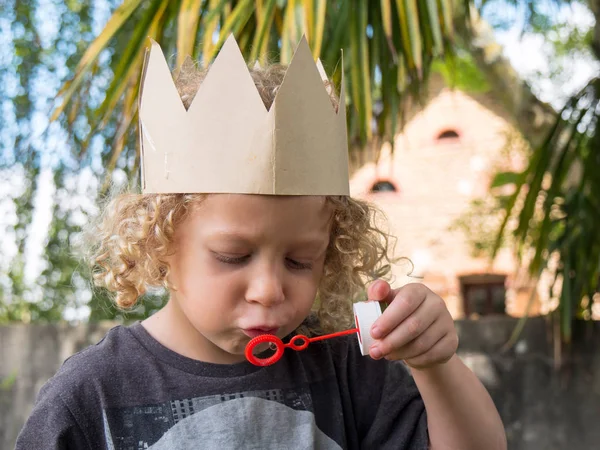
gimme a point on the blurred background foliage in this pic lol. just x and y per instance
(69, 78)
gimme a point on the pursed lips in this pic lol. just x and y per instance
(257, 331)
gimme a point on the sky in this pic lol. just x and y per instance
(529, 55)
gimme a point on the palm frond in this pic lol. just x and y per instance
(389, 47)
(559, 215)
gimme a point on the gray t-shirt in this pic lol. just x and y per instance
(129, 392)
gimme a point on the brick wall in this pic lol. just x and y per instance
(436, 180)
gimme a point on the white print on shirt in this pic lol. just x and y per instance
(272, 419)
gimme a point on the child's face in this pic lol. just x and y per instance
(245, 265)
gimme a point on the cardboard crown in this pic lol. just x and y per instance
(228, 142)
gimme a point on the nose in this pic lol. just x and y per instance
(265, 286)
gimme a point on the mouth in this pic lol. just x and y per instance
(253, 332)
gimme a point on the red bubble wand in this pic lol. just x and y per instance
(365, 314)
(280, 346)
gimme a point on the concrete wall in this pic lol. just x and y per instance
(30, 355)
(541, 408)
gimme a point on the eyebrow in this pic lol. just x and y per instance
(311, 241)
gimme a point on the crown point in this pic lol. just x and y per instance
(231, 40)
(192, 149)
(303, 43)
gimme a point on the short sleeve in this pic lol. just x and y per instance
(51, 425)
(388, 409)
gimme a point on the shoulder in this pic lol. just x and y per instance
(82, 373)
(60, 415)
(98, 358)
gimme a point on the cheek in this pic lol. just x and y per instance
(199, 286)
(306, 287)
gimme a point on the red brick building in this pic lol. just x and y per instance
(443, 160)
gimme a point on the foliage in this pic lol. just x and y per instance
(460, 72)
(482, 219)
(559, 217)
(550, 215)
(388, 48)
(32, 64)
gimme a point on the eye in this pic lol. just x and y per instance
(231, 259)
(297, 265)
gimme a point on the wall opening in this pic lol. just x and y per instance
(483, 294)
(448, 135)
(383, 186)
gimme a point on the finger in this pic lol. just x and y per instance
(408, 329)
(422, 343)
(406, 301)
(381, 291)
(440, 353)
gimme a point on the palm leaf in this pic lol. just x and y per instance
(233, 24)
(319, 27)
(414, 31)
(210, 21)
(386, 15)
(557, 217)
(187, 27)
(130, 61)
(433, 23)
(265, 20)
(116, 21)
(390, 44)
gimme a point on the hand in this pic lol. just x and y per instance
(416, 326)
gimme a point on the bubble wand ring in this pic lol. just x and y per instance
(280, 346)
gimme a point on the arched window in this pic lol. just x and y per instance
(448, 134)
(383, 186)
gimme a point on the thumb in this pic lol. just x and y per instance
(380, 291)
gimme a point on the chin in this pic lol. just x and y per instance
(236, 348)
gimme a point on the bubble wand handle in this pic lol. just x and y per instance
(280, 346)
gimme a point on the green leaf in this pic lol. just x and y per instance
(317, 33)
(187, 27)
(210, 21)
(504, 178)
(266, 21)
(446, 9)
(412, 20)
(113, 25)
(130, 61)
(405, 32)
(434, 25)
(386, 18)
(233, 24)
(289, 36)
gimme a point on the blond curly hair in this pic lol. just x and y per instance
(135, 233)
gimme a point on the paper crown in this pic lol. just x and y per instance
(228, 142)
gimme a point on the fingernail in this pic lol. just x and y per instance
(375, 332)
(375, 352)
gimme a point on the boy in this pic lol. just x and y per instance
(245, 218)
